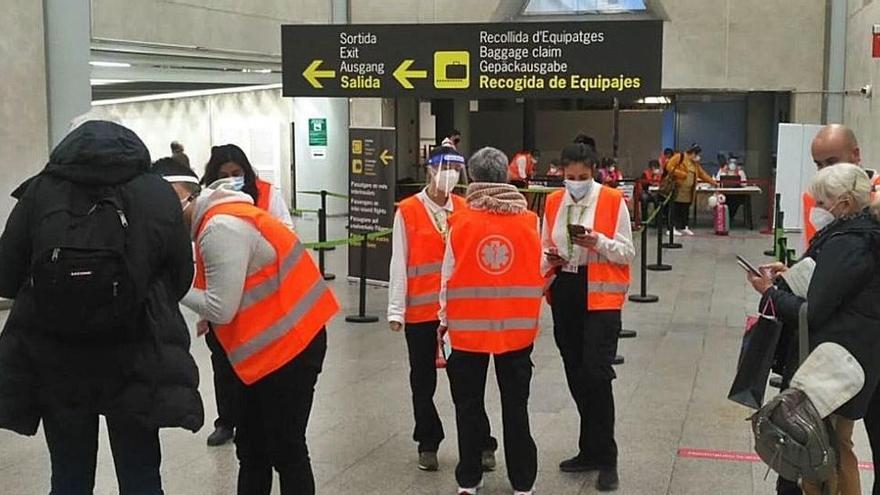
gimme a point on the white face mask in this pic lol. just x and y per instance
(446, 180)
(820, 217)
(578, 188)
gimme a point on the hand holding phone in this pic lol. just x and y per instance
(575, 230)
(748, 267)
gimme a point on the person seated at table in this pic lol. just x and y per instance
(651, 177)
(522, 168)
(726, 176)
(612, 176)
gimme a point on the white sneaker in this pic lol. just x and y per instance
(470, 491)
(530, 492)
(688, 231)
(677, 232)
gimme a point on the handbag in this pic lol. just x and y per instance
(668, 184)
(756, 357)
(791, 436)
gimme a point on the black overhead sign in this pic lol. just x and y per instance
(500, 60)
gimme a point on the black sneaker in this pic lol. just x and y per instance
(221, 436)
(428, 461)
(577, 464)
(608, 480)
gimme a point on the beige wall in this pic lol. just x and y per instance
(859, 112)
(24, 138)
(248, 25)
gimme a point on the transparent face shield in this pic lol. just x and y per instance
(445, 171)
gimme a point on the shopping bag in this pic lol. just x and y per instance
(756, 357)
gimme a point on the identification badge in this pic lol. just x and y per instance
(570, 267)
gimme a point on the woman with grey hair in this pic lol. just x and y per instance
(490, 305)
(841, 297)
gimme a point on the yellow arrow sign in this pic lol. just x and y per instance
(313, 74)
(403, 74)
(385, 157)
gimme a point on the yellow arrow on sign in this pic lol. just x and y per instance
(313, 74)
(385, 157)
(403, 74)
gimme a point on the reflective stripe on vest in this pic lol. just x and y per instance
(263, 290)
(493, 325)
(493, 296)
(426, 269)
(494, 293)
(424, 260)
(279, 329)
(607, 282)
(284, 305)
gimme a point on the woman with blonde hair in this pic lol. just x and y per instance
(842, 296)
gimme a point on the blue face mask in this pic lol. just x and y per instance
(578, 188)
(237, 183)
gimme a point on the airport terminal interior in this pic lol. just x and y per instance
(342, 106)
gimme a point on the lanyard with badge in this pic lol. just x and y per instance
(573, 254)
(439, 218)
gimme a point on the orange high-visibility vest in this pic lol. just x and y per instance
(264, 194)
(493, 297)
(513, 167)
(424, 259)
(809, 228)
(284, 305)
(607, 282)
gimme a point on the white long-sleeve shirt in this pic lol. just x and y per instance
(618, 250)
(397, 289)
(278, 208)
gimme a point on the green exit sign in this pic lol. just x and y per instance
(317, 132)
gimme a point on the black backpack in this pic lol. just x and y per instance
(80, 275)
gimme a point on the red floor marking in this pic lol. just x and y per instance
(729, 455)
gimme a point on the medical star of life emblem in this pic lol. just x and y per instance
(495, 254)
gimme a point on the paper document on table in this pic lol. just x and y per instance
(799, 275)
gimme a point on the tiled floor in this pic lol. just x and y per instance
(670, 395)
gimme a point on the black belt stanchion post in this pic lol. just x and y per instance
(671, 244)
(643, 296)
(322, 237)
(362, 316)
(777, 225)
(659, 266)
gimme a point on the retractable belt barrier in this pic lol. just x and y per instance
(322, 226)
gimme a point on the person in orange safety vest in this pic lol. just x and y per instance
(418, 244)
(588, 243)
(490, 301)
(268, 305)
(227, 161)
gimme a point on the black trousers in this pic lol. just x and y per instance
(72, 437)
(587, 341)
(421, 341)
(680, 214)
(271, 432)
(227, 386)
(872, 425)
(467, 379)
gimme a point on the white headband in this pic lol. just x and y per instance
(181, 178)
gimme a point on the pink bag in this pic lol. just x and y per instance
(722, 222)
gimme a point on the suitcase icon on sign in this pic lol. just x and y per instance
(452, 70)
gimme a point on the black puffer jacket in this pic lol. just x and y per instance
(151, 376)
(844, 301)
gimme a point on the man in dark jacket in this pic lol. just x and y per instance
(141, 376)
